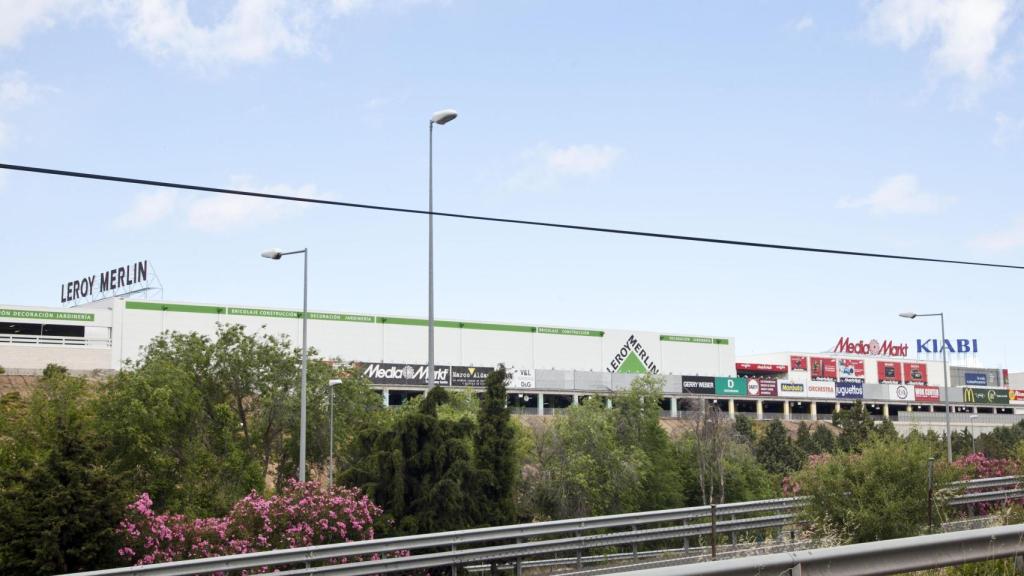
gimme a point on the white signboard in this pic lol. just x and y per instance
(901, 393)
(821, 389)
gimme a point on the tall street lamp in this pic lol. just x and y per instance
(330, 435)
(276, 255)
(945, 376)
(440, 118)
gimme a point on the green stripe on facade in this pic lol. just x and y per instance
(341, 317)
(499, 327)
(47, 315)
(570, 332)
(695, 340)
(264, 313)
(173, 307)
(417, 322)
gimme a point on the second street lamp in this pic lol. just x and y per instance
(945, 376)
(330, 434)
(276, 255)
(440, 118)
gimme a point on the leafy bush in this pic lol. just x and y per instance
(878, 494)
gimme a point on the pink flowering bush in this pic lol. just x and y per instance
(303, 514)
(978, 465)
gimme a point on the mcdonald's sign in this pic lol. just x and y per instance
(986, 395)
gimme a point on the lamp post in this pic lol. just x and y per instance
(276, 255)
(440, 118)
(330, 435)
(945, 376)
(972, 418)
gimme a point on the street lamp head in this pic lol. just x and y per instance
(272, 254)
(333, 383)
(910, 315)
(443, 117)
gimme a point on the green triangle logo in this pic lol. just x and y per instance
(632, 365)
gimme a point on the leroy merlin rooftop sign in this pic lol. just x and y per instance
(632, 358)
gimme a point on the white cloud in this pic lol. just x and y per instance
(249, 31)
(585, 159)
(1008, 129)
(16, 90)
(147, 209)
(216, 213)
(805, 23)
(1008, 239)
(964, 34)
(900, 194)
(22, 16)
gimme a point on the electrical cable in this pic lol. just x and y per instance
(537, 223)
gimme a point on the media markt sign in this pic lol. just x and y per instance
(631, 357)
(731, 386)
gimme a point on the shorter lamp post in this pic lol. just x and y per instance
(330, 434)
(945, 377)
(972, 418)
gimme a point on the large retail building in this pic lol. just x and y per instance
(551, 366)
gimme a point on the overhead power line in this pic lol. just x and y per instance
(539, 223)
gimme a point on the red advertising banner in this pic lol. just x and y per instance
(746, 368)
(926, 393)
(915, 373)
(1006, 378)
(890, 373)
(823, 368)
(762, 387)
(798, 363)
(850, 368)
(1016, 396)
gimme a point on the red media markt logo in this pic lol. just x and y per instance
(872, 348)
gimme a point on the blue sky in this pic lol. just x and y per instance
(893, 125)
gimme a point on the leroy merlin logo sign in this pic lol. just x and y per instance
(632, 358)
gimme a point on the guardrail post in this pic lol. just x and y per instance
(634, 544)
(686, 541)
(714, 547)
(455, 567)
(931, 496)
(733, 533)
(494, 569)
(519, 560)
(579, 552)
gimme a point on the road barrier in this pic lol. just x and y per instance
(516, 542)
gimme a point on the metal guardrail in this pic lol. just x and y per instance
(722, 520)
(452, 539)
(869, 559)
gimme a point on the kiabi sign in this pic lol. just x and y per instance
(109, 281)
(872, 348)
(963, 346)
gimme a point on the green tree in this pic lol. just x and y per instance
(745, 428)
(222, 411)
(496, 456)
(855, 426)
(878, 494)
(58, 503)
(419, 468)
(824, 439)
(776, 451)
(886, 430)
(805, 440)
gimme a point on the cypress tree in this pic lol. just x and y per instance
(495, 454)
